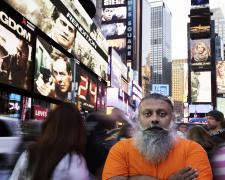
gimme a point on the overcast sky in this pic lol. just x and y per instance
(180, 10)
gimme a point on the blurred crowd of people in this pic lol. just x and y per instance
(100, 146)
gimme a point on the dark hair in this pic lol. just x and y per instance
(55, 14)
(201, 136)
(218, 117)
(157, 96)
(63, 132)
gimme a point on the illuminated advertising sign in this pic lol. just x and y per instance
(90, 57)
(199, 2)
(201, 86)
(118, 69)
(113, 2)
(87, 90)
(114, 25)
(161, 89)
(54, 74)
(200, 54)
(67, 23)
(220, 77)
(86, 26)
(220, 101)
(16, 41)
(200, 23)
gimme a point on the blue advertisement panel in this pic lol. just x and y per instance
(161, 89)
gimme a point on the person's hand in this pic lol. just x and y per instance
(45, 88)
(187, 173)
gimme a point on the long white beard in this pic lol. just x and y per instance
(155, 145)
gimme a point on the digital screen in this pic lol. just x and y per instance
(16, 41)
(200, 54)
(90, 57)
(114, 13)
(220, 77)
(87, 90)
(115, 30)
(161, 89)
(200, 23)
(114, 25)
(201, 86)
(54, 72)
(199, 2)
(118, 44)
(220, 102)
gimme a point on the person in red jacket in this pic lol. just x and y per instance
(155, 151)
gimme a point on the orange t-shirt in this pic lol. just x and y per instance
(125, 160)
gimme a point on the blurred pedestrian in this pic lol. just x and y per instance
(200, 135)
(216, 126)
(59, 152)
(101, 137)
(182, 129)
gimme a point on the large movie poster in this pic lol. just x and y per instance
(201, 86)
(67, 23)
(54, 74)
(200, 54)
(16, 46)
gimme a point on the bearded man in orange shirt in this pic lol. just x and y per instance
(155, 152)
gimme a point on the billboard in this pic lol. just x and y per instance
(16, 47)
(68, 24)
(54, 75)
(161, 89)
(200, 54)
(86, 90)
(220, 101)
(201, 86)
(114, 25)
(220, 77)
(200, 23)
(118, 69)
(114, 14)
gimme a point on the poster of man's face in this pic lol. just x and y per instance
(201, 86)
(15, 60)
(54, 75)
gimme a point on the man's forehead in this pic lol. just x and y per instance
(151, 103)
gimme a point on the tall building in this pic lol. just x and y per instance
(219, 20)
(160, 40)
(179, 81)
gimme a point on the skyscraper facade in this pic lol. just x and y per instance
(160, 41)
(219, 20)
(179, 81)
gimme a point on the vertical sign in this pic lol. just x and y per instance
(129, 29)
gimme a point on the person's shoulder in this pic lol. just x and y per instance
(123, 144)
(186, 143)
